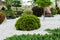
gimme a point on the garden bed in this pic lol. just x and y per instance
(7, 28)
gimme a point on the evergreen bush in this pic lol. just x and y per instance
(37, 11)
(27, 11)
(54, 11)
(27, 22)
(2, 17)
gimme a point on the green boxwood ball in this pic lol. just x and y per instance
(28, 22)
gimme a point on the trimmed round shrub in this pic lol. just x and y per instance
(38, 11)
(2, 17)
(27, 11)
(27, 22)
(54, 11)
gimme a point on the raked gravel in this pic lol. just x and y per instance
(7, 28)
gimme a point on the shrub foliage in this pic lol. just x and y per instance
(2, 17)
(27, 11)
(27, 22)
(9, 14)
(37, 11)
(54, 11)
(54, 35)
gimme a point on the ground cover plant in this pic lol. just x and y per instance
(56, 31)
(28, 22)
(17, 13)
(54, 34)
(9, 14)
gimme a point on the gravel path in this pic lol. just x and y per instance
(8, 27)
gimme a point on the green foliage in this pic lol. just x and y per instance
(9, 14)
(27, 22)
(58, 9)
(16, 3)
(27, 11)
(54, 11)
(18, 13)
(44, 3)
(54, 31)
(53, 35)
(8, 4)
(34, 1)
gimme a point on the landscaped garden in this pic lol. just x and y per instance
(37, 21)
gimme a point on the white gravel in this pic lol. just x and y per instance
(7, 28)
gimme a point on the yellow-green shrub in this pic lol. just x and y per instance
(27, 11)
(28, 22)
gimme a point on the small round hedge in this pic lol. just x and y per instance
(38, 11)
(27, 11)
(54, 11)
(2, 17)
(27, 22)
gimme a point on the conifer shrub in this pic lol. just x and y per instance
(27, 22)
(38, 11)
(2, 17)
(27, 11)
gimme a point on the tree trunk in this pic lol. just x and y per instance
(44, 14)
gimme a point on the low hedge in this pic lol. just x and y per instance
(53, 35)
(28, 22)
